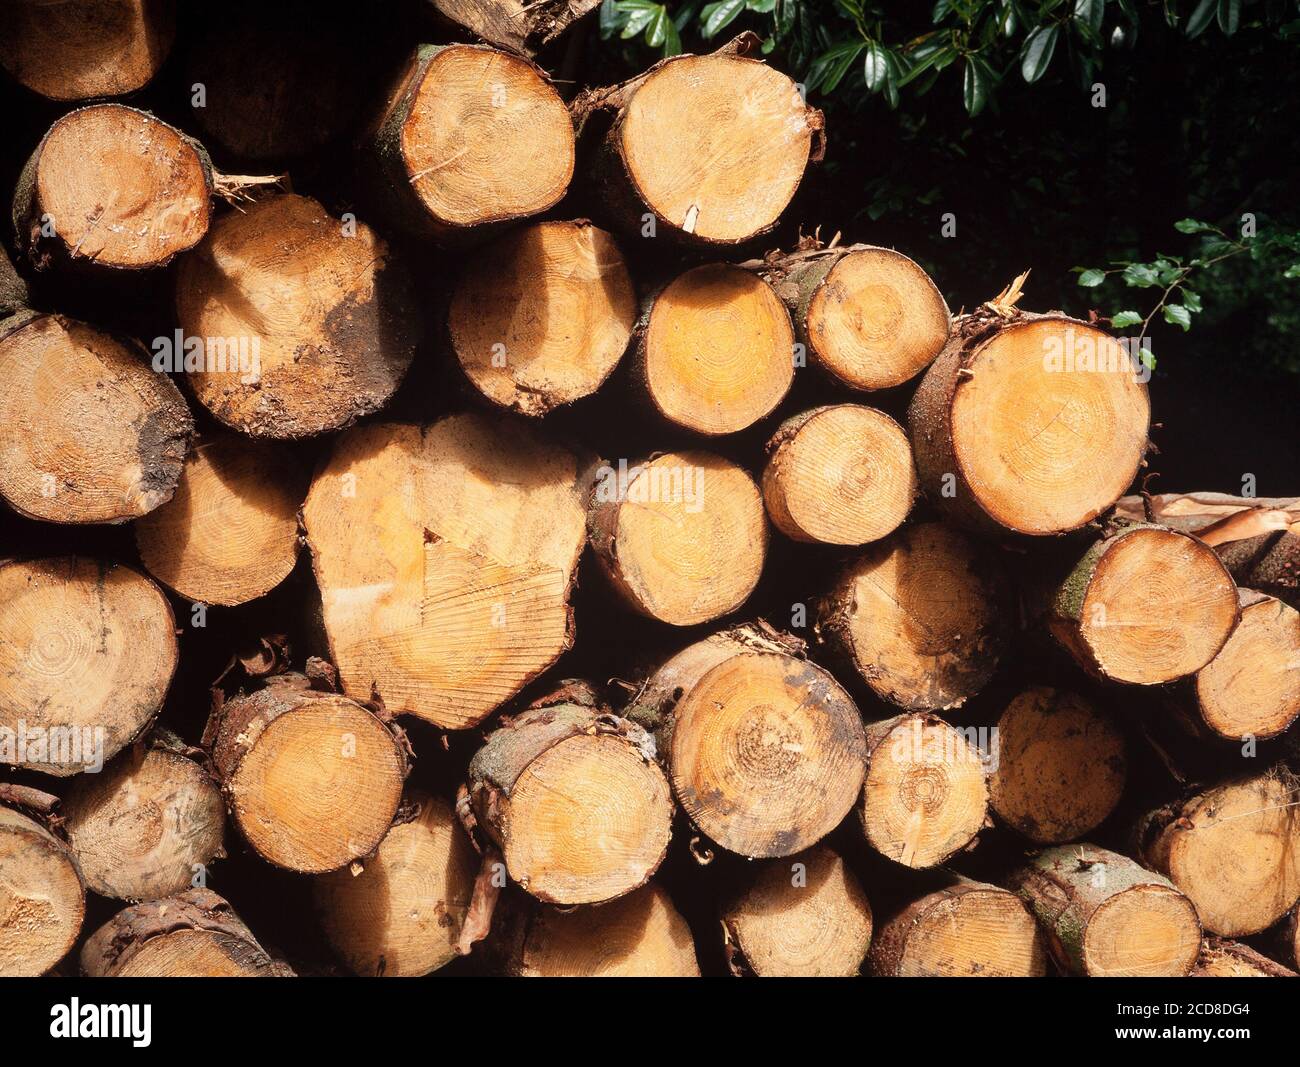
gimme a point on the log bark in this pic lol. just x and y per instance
(924, 617)
(42, 896)
(1104, 916)
(573, 798)
(147, 827)
(541, 317)
(713, 351)
(1233, 849)
(192, 935)
(680, 146)
(869, 317)
(839, 475)
(14, 294)
(998, 420)
(229, 534)
(459, 594)
(88, 432)
(111, 186)
(470, 139)
(1061, 766)
(88, 49)
(925, 795)
(681, 537)
(87, 652)
(312, 778)
(517, 26)
(763, 748)
(965, 930)
(805, 917)
(1228, 959)
(401, 916)
(1145, 605)
(293, 323)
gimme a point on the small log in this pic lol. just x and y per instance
(516, 25)
(42, 897)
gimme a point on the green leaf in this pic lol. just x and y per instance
(925, 57)
(840, 66)
(672, 40)
(1037, 52)
(761, 7)
(1091, 278)
(1089, 13)
(974, 89)
(1177, 315)
(1193, 226)
(611, 18)
(1007, 19)
(719, 16)
(1292, 271)
(1201, 15)
(1140, 275)
(637, 21)
(657, 32)
(1125, 318)
(875, 68)
(1229, 16)
(1191, 300)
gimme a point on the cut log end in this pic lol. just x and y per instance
(1061, 766)
(401, 916)
(118, 187)
(803, 917)
(840, 475)
(88, 432)
(1147, 931)
(42, 899)
(144, 827)
(698, 129)
(542, 317)
(923, 617)
(684, 542)
(303, 323)
(925, 795)
(718, 351)
(230, 532)
(876, 320)
(87, 651)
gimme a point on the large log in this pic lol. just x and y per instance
(88, 432)
(293, 323)
(1028, 424)
(681, 536)
(763, 748)
(42, 897)
(457, 596)
(87, 651)
(1106, 916)
(682, 146)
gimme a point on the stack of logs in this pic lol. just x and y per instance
(924, 619)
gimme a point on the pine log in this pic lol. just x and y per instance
(964, 930)
(541, 317)
(806, 917)
(1028, 424)
(839, 475)
(870, 317)
(1228, 959)
(313, 779)
(1104, 916)
(294, 323)
(701, 149)
(763, 748)
(457, 596)
(86, 49)
(1145, 605)
(192, 935)
(925, 795)
(401, 916)
(574, 800)
(713, 351)
(640, 935)
(1258, 538)
(148, 826)
(1233, 849)
(115, 187)
(229, 534)
(1061, 766)
(515, 25)
(87, 651)
(470, 139)
(42, 897)
(1251, 689)
(681, 537)
(924, 617)
(88, 432)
